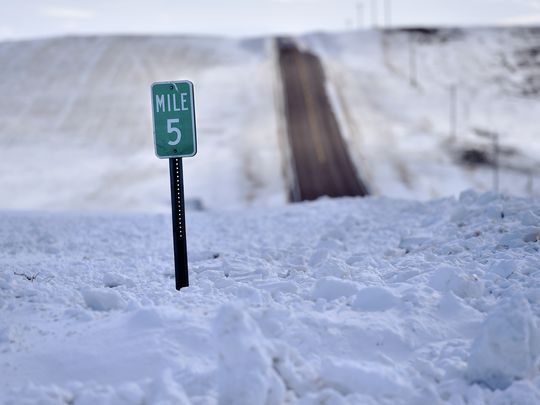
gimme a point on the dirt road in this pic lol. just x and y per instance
(320, 158)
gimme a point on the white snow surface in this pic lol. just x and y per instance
(76, 118)
(347, 301)
(400, 135)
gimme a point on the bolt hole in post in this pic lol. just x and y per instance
(173, 115)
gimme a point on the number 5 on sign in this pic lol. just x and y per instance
(174, 119)
(171, 129)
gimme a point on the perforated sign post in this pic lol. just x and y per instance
(173, 111)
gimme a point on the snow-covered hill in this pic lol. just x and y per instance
(393, 94)
(75, 123)
(352, 301)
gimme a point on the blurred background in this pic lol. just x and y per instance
(430, 98)
(37, 18)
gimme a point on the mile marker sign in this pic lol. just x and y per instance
(174, 119)
(173, 113)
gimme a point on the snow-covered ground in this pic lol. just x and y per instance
(75, 123)
(349, 301)
(400, 134)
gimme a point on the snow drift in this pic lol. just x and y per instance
(372, 301)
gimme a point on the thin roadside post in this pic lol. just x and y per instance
(175, 136)
(412, 60)
(179, 223)
(453, 111)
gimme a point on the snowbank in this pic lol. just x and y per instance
(507, 347)
(372, 301)
(393, 91)
(83, 104)
(78, 121)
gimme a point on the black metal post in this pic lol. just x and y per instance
(179, 223)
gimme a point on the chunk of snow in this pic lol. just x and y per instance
(112, 280)
(167, 390)
(245, 371)
(375, 299)
(507, 346)
(529, 218)
(5, 334)
(331, 288)
(101, 299)
(375, 379)
(447, 278)
(504, 268)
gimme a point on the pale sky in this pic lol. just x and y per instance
(38, 18)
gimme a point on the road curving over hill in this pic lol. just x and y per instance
(320, 160)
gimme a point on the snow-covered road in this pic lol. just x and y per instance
(399, 135)
(371, 301)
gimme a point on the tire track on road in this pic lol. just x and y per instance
(321, 161)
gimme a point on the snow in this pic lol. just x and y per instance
(241, 347)
(78, 121)
(497, 359)
(102, 299)
(346, 301)
(77, 118)
(375, 299)
(331, 288)
(400, 135)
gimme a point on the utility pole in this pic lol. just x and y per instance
(530, 178)
(412, 61)
(494, 138)
(387, 13)
(359, 15)
(453, 112)
(374, 13)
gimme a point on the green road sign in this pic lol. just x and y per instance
(174, 119)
